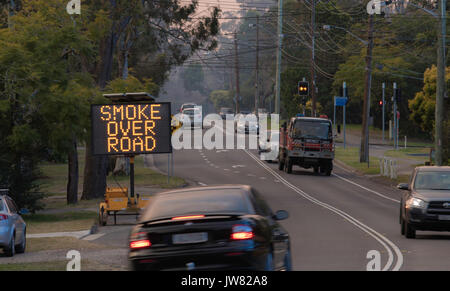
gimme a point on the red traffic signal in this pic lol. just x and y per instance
(381, 103)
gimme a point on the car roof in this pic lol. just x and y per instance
(433, 168)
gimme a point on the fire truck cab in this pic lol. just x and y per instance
(307, 142)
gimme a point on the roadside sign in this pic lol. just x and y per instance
(340, 101)
(131, 129)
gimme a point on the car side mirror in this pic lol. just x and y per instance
(281, 215)
(403, 186)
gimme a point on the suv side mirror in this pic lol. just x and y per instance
(281, 215)
(403, 186)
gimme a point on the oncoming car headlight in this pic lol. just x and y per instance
(415, 203)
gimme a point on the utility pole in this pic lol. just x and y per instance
(257, 68)
(313, 56)
(280, 44)
(440, 86)
(236, 63)
(395, 116)
(364, 150)
(383, 108)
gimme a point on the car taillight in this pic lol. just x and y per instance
(241, 232)
(139, 241)
(3, 217)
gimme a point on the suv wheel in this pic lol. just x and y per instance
(410, 232)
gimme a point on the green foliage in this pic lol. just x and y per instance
(132, 84)
(423, 106)
(193, 78)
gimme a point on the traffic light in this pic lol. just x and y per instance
(381, 103)
(303, 88)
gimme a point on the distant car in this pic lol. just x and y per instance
(246, 122)
(224, 111)
(12, 228)
(210, 228)
(426, 203)
(193, 116)
(187, 106)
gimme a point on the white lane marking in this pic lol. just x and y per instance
(238, 166)
(365, 188)
(377, 236)
(202, 184)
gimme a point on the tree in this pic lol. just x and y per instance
(164, 24)
(423, 105)
(221, 98)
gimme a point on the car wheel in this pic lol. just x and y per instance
(410, 232)
(268, 264)
(20, 249)
(10, 250)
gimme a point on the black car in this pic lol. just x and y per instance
(210, 228)
(426, 204)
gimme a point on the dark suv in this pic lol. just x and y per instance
(426, 204)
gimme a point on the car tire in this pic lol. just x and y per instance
(402, 226)
(20, 249)
(410, 232)
(10, 250)
(268, 263)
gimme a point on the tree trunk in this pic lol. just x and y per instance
(95, 172)
(72, 184)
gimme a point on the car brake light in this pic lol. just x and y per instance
(188, 217)
(3, 217)
(139, 244)
(139, 240)
(242, 232)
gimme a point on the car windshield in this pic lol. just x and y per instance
(427, 180)
(191, 111)
(188, 106)
(226, 201)
(312, 129)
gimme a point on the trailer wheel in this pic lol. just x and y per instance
(102, 217)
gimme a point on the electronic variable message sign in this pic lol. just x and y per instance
(131, 129)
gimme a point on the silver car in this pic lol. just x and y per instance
(12, 227)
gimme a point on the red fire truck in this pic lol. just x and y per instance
(307, 142)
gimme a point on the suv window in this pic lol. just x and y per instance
(1, 204)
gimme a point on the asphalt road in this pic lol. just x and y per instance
(340, 222)
(335, 222)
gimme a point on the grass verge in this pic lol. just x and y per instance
(350, 157)
(60, 222)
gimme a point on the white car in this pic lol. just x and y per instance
(187, 106)
(192, 117)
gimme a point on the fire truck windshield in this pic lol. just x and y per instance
(312, 129)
